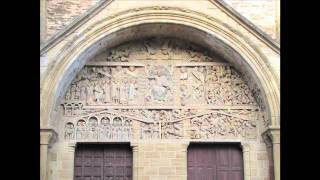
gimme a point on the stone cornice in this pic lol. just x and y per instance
(256, 31)
(47, 136)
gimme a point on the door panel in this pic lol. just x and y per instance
(214, 162)
(103, 162)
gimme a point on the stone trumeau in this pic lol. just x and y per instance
(159, 77)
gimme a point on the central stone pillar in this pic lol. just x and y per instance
(275, 136)
(160, 160)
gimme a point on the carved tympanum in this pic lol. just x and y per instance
(158, 89)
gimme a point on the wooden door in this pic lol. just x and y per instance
(103, 162)
(215, 162)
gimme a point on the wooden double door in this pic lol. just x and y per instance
(103, 162)
(215, 162)
(114, 162)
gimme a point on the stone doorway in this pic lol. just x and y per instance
(160, 91)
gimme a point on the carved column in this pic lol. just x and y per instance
(268, 143)
(43, 20)
(72, 147)
(135, 165)
(246, 161)
(46, 137)
(275, 136)
(272, 138)
(185, 150)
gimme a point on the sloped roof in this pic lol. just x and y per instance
(76, 23)
(248, 24)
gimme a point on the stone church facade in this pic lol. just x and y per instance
(158, 90)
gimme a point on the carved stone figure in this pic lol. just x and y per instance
(124, 92)
(68, 94)
(90, 94)
(146, 131)
(69, 131)
(77, 93)
(132, 72)
(199, 74)
(72, 108)
(127, 130)
(117, 128)
(160, 84)
(107, 91)
(105, 71)
(81, 129)
(117, 72)
(159, 92)
(105, 128)
(73, 91)
(93, 128)
(150, 48)
(183, 74)
(217, 124)
(132, 94)
(83, 93)
(115, 92)
(172, 130)
(119, 55)
(166, 48)
(194, 54)
(67, 109)
(185, 95)
(98, 93)
(150, 130)
(77, 108)
(198, 90)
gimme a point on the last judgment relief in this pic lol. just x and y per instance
(158, 88)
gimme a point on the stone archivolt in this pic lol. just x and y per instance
(158, 89)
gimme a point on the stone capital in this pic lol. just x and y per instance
(185, 146)
(245, 147)
(71, 146)
(47, 136)
(266, 138)
(275, 136)
(272, 136)
(134, 146)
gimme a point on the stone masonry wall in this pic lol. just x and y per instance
(260, 12)
(61, 12)
(162, 161)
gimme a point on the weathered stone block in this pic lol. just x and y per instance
(167, 171)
